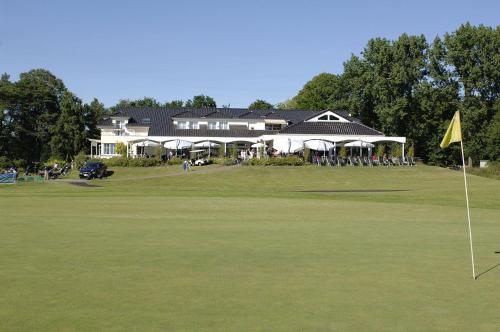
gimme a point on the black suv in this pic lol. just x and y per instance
(92, 170)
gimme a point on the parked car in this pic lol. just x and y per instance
(93, 170)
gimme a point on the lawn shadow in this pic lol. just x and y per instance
(109, 173)
(488, 270)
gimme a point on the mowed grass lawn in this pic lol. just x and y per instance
(251, 249)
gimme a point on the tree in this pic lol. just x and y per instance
(493, 138)
(68, 134)
(33, 112)
(174, 104)
(320, 93)
(288, 104)
(201, 101)
(93, 114)
(260, 104)
(473, 61)
(144, 102)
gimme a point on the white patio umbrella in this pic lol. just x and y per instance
(258, 145)
(359, 144)
(319, 145)
(178, 144)
(146, 143)
(207, 144)
(295, 145)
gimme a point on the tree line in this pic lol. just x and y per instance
(403, 87)
(409, 87)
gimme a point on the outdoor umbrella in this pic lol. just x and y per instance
(178, 144)
(359, 144)
(295, 145)
(207, 144)
(258, 145)
(319, 145)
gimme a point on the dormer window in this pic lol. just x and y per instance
(328, 117)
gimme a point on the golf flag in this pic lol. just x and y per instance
(454, 133)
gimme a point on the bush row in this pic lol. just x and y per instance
(283, 161)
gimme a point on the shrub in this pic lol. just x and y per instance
(380, 150)
(343, 152)
(52, 161)
(411, 151)
(175, 161)
(4, 162)
(307, 154)
(80, 159)
(20, 163)
(121, 149)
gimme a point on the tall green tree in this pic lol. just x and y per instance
(260, 104)
(174, 104)
(34, 113)
(321, 92)
(93, 114)
(473, 56)
(201, 101)
(68, 134)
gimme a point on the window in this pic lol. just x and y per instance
(270, 126)
(218, 126)
(109, 148)
(183, 125)
(146, 121)
(328, 117)
(195, 125)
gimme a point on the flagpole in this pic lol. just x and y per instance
(468, 212)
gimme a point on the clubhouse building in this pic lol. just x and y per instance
(144, 129)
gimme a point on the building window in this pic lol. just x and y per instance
(183, 125)
(109, 148)
(271, 126)
(195, 125)
(218, 126)
(328, 117)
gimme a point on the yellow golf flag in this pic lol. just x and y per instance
(454, 133)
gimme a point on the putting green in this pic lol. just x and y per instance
(251, 249)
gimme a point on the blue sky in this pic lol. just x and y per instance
(234, 51)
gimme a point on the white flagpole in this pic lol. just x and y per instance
(468, 212)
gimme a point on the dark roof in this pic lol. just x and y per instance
(160, 121)
(330, 128)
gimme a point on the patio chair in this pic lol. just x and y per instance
(375, 162)
(341, 161)
(384, 161)
(403, 162)
(365, 161)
